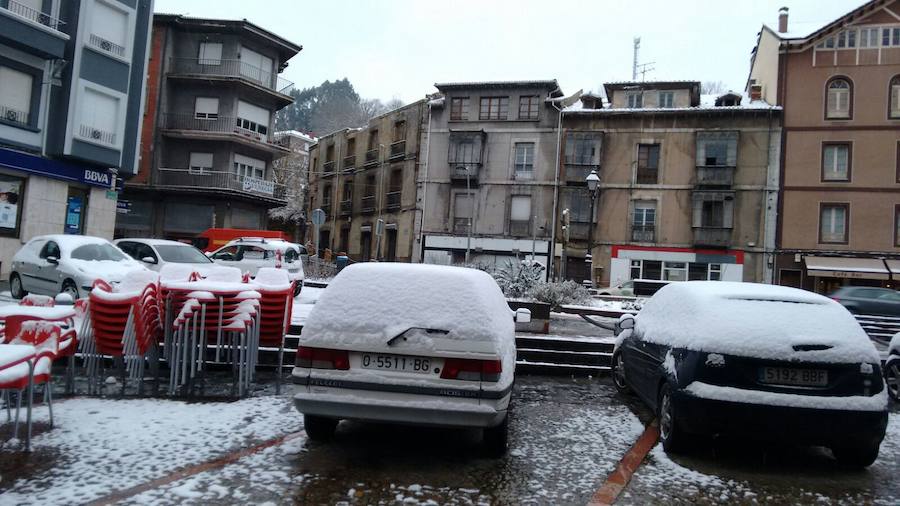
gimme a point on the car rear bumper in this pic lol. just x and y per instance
(811, 426)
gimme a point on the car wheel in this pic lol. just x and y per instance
(69, 287)
(496, 439)
(618, 374)
(319, 428)
(15, 286)
(672, 438)
(892, 378)
(297, 287)
(856, 456)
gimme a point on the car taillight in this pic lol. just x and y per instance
(836, 299)
(322, 358)
(472, 370)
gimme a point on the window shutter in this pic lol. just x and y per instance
(206, 105)
(253, 113)
(520, 208)
(16, 88)
(697, 215)
(109, 23)
(701, 150)
(99, 111)
(210, 53)
(728, 217)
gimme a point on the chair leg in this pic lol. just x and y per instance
(18, 408)
(6, 403)
(48, 398)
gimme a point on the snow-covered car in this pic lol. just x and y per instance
(250, 253)
(155, 253)
(754, 361)
(414, 344)
(892, 368)
(53, 264)
(625, 289)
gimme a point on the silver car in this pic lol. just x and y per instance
(53, 264)
(250, 253)
(154, 253)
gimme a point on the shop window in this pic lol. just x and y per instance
(11, 197)
(76, 211)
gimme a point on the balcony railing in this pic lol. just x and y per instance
(371, 157)
(368, 204)
(220, 124)
(715, 176)
(393, 201)
(349, 163)
(346, 207)
(328, 167)
(106, 45)
(647, 176)
(460, 226)
(520, 228)
(13, 115)
(220, 180)
(97, 135)
(464, 171)
(643, 233)
(232, 68)
(398, 150)
(712, 236)
(579, 230)
(576, 173)
(34, 15)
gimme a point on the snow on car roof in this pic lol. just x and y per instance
(753, 320)
(67, 243)
(378, 301)
(155, 242)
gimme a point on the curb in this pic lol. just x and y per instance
(631, 461)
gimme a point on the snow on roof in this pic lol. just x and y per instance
(369, 302)
(298, 134)
(753, 320)
(67, 243)
(707, 104)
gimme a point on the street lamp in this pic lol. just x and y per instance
(593, 183)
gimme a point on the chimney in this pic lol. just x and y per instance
(755, 92)
(782, 20)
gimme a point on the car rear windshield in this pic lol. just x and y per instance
(182, 254)
(98, 252)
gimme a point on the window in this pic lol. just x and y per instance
(836, 162)
(713, 209)
(647, 164)
(666, 99)
(582, 149)
(713, 214)
(201, 163)
(326, 196)
(636, 269)
(210, 53)
(244, 166)
(894, 98)
(674, 271)
(897, 225)
(463, 212)
(465, 149)
(16, 90)
(520, 215)
(459, 109)
(528, 107)
(643, 223)
(717, 149)
(868, 37)
(833, 223)
(99, 117)
(635, 100)
(256, 67)
(11, 191)
(847, 39)
(206, 108)
(524, 160)
(109, 29)
(399, 130)
(898, 161)
(890, 37)
(373, 140)
(494, 108)
(840, 94)
(252, 118)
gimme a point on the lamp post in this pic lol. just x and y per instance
(593, 182)
(471, 212)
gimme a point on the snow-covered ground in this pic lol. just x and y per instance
(303, 304)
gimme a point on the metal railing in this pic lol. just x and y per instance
(398, 150)
(349, 163)
(106, 45)
(346, 207)
(34, 15)
(646, 176)
(520, 228)
(393, 200)
(643, 233)
(576, 173)
(97, 135)
(13, 115)
(219, 180)
(232, 68)
(328, 167)
(463, 171)
(579, 230)
(712, 236)
(368, 204)
(715, 176)
(221, 124)
(460, 226)
(371, 157)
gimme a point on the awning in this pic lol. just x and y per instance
(848, 267)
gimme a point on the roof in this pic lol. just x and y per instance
(617, 85)
(242, 26)
(297, 134)
(793, 37)
(706, 106)
(552, 85)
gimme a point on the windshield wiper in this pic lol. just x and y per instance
(393, 340)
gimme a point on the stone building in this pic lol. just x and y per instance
(292, 171)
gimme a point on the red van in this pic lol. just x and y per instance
(215, 238)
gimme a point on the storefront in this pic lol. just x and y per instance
(675, 264)
(830, 273)
(491, 253)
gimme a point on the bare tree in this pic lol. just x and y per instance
(292, 171)
(713, 88)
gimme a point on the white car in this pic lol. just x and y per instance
(892, 368)
(250, 253)
(625, 289)
(155, 253)
(53, 264)
(409, 343)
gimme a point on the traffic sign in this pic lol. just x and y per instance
(318, 216)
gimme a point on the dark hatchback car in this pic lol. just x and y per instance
(868, 300)
(754, 361)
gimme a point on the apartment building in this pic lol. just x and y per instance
(486, 185)
(71, 96)
(364, 179)
(208, 145)
(839, 212)
(687, 185)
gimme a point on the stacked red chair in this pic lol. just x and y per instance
(277, 303)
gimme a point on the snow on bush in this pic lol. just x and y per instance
(518, 279)
(319, 269)
(560, 294)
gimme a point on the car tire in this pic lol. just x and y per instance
(892, 378)
(672, 437)
(15, 286)
(319, 428)
(496, 439)
(70, 288)
(856, 456)
(618, 374)
(297, 287)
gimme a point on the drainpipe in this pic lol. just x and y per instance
(424, 188)
(552, 252)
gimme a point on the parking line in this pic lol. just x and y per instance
(616, 482)
(192, 470)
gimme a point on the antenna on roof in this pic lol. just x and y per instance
(639, 68)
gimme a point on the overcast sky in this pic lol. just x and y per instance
(400, 48)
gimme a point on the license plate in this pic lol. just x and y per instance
(401, 363)
(793, 377)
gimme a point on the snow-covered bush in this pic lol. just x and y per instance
(517, 279)
(319, 269)
(559, 294)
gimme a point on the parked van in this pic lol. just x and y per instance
(215, 238)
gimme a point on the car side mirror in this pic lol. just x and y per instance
(148, 260)
(52, 260)
(626, 322)
(523, 315)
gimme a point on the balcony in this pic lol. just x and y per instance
(189, 126)
(106, 46)
(31, 30)
(231, 69)
(461, 226)
(398, 150)
(715, 176)
(579, 231)
(393, 201)
(97, 135)
(371, 158)
(577, 173)
(462, 172)
(646, 176)
(368, 204)
(15, 116)
(643, 233)
(211, 180)
(520, 228)
(716, 237)
(328, 167)
(346, 207)
(349, 163)
(33, 15)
